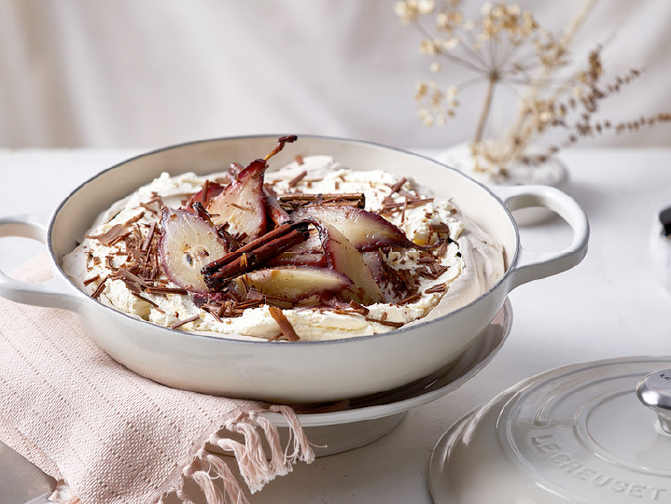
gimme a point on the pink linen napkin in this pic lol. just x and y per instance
(115, 437)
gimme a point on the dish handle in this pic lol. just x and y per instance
(535, 265)
(53, 293)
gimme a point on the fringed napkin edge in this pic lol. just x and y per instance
(258, 464)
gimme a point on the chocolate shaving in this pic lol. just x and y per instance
(150, 235)
(389, 323)
(441, 287)
(212, 310)
(91, 280)
(99, 289)
(203, 195)
(134, 219)
(398, 185)
(294, 181)
(251, 303)
(285, 326)
(397, 284)
(358, 307)
(180, 323)
(440, 228)
(441, 250)
(155, 198)
(432, 271)
(410, 299)
(389, 207)
(166, 290)
(139, 296)
(147, 207)
(292, 202)
(132, 281)
(112, 235)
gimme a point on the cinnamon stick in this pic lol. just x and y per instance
(255, 253)
(261, 240)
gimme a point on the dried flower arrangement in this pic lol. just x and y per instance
(505, 45)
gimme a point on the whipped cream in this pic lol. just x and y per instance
(469, 262)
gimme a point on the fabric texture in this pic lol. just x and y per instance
(77, 73)
(115, 437)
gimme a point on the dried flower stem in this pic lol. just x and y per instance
(507, 46)
(522, 133)
(484, 114)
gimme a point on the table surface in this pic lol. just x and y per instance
(611, 305)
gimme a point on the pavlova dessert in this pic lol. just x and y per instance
(311, 251)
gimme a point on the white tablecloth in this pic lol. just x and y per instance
(611, 305)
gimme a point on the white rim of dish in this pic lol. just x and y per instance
(384, 410)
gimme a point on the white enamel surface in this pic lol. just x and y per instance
(275, 372)
(575, 434)
(533, 265)
(369, 418)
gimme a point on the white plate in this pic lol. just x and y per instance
(347, 425)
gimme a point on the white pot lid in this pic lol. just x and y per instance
(592, 433)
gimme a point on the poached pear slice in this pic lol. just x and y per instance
(290, 258)
(207, 192)
(293, 284)
(374, 261)
(188, 243)
(363, 229)
(242, 204)
(343, 257)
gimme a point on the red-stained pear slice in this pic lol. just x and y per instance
(207, 192)
(293, 284)
(365, 230)
(188, 243)
(241, 204)
(342, 256)
(374, 261)
(290, 258)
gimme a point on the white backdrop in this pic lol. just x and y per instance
(147, 73)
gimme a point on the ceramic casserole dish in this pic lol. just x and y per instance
(297, 371)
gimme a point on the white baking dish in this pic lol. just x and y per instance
(300, 371)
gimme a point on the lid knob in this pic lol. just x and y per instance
(654, 390)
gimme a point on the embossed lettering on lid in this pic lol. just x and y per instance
(576, 434)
